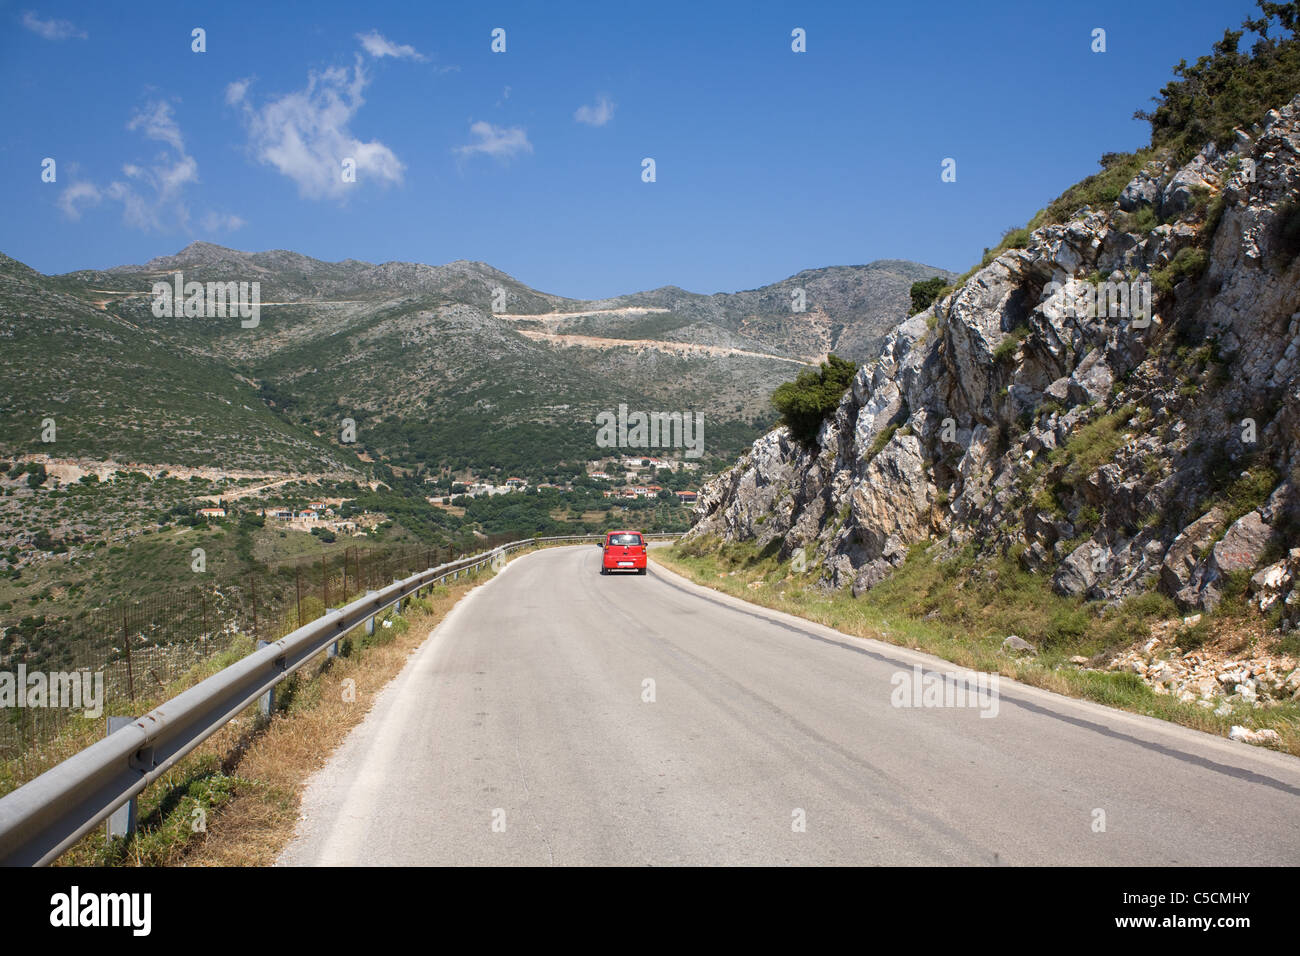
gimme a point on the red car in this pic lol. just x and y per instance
(624, 551)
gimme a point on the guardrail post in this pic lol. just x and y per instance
(397, 608)
(370, 621)
(333, 649)
(266, 703)
(122, 822)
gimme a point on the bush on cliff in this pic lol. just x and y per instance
(805, 402)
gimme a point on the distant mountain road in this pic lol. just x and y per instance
(680, 348)
(524, 732)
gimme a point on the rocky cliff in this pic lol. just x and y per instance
(1115, 404)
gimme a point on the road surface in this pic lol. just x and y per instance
(523, 731)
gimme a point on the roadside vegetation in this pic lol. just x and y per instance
(234, 800)
(962, 610)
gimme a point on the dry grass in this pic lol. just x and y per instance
(248, 777)
(259, 822)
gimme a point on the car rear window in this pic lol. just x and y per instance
(628, 540)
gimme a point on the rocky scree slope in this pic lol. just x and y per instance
(1114, 455)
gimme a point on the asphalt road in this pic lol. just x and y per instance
(521, 733)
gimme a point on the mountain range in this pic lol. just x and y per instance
(458, 367)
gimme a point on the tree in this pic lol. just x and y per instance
(925, 292)
(805, 402)
(1218, 93)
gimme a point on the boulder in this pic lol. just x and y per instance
(1141, 191)
(1181, 190)
(1018, 645)
(1183, 557)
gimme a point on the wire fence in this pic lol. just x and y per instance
(134, 650)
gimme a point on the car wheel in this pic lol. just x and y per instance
(642, 571)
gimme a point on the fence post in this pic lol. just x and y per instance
(126, 644)
(266, 703)
(122, 822)
(252, 585)
(297, 577)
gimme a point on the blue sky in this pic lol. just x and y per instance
(767, 161)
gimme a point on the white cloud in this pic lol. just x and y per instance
(222, 222)
(498, 141)
(305, 135)
(52, 29)
(157, 122)
(236, 91)
(87, 193)
(380, 46)
(597, 115)
(152, 194)
(152, 198)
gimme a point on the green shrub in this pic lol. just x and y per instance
(1250, 490)
(1190, 262)
(1092, 445)
(805, 403)
(1228, 89)
(925, 292)
(881, 440)
(1140, 223)
(1006, 349)
(1100, 189)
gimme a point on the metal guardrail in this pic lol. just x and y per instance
(44, 817)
